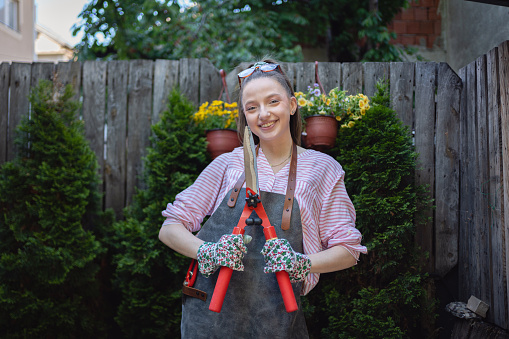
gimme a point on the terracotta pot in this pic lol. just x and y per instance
(321, 132)
(221, 141)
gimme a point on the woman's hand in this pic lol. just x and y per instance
(228, 251)
(280, 256)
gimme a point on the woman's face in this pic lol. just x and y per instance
(268, 108)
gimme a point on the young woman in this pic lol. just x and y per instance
(319, 237)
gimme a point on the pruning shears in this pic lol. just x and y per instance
(253, 203)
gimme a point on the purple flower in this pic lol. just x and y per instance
(316, 92)
(316, 85)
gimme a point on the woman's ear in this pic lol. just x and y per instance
(293, 105)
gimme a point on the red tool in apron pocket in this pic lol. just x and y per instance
(253, 203)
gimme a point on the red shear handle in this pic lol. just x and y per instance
(286, 291)
(282, 278)
(223, 280)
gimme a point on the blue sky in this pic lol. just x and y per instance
(59, 16)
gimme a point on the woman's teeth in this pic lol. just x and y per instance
(268, 124)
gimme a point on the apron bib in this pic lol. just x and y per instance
(253, 306)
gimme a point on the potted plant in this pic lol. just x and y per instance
(218, 119)
(321, 113)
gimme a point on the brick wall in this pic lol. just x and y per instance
(418, 25)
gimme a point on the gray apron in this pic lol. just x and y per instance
(253, 306)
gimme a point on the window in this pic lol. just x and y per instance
(9, 12)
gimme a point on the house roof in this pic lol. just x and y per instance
(52, 36)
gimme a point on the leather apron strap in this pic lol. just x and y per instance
(290, 190)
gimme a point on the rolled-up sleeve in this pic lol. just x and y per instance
(199, 199)
(337, 218)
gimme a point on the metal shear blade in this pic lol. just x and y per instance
(250, 165)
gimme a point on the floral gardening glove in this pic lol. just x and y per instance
(228, 251)
(280, 256)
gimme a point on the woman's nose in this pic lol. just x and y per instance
(263, 113)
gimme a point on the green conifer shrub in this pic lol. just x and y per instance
(49, 212)
(149, 275)
(384, 295)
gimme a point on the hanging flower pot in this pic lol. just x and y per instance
(221, 141)
(219, 119)
(321, 112)
(321, 132)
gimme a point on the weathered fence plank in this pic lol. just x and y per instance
(447, 170)
(503, 58)
(482, 192)
(138, 121)
(469, 177)
(232, 80)
(94, 106)
(402, 89)
(188, 79)
(465, 212)
(425, 87)
(4, 109)
(69, 73)
(210, 82)
(351, 80)
(330, 75)
(374, 72)
(305, 76)
(500, 312)
(288, 68)
(41, 71)
(19, 105)
(166, 74)
(115, 162)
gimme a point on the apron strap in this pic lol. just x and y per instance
(187, 286)
(290, 190)
(236, 190)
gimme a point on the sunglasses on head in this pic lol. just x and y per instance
(262, 66)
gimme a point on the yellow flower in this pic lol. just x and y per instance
(338, 118)
(362, 104)
(351, 124)
(327, 102)
(322, 112)
(302, 102)
(363, 111)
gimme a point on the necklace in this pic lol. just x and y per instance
(283, 160)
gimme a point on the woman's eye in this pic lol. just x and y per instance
(250, 108)
(274, 101)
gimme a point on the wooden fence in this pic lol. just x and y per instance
(460, 125)
(484, 183)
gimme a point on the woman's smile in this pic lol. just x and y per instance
(268, 125)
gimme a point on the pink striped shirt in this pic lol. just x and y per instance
(327, 213)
